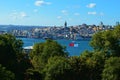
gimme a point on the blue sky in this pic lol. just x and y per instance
(56, 12)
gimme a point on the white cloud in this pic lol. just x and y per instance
(92, 13)
(91, 5)
(18, 15)
(23, 14)
(41, 2)
(64, 12)
(59, 17)
(76, 14)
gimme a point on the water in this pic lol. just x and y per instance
(73, 51)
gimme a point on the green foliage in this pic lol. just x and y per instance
(99, 60)
(8, 56)
(32, 74)
(43, 51)
(111, 69)
(107, 41)
(83, 68)
(57, 69)
(5, 74)
(78, 68)
(86, 54)
(11, 55)
(97, 41)
(106, 44)
(94, 62)
(102, 41)
(117, 32)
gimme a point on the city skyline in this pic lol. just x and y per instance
(56, 12)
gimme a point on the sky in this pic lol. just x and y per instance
(56, 12)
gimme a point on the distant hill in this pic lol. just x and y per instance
(18, 27)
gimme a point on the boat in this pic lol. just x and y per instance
(73, 44)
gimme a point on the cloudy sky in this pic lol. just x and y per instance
(56, 12)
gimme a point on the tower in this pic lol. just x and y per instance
(65, 25)
(101, 25)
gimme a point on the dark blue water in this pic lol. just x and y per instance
(73, 51)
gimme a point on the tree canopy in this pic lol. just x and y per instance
(12, 56)
(107, 41)
(5, 74)
(57, 68)
(43, 51)
(111, 69)
(10, 50)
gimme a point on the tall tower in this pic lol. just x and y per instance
(65, 25)
(101, 25)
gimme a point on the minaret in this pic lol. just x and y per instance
(65, 25)
(101, 25)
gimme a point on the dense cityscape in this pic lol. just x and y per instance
(78, 32)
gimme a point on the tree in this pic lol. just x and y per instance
(5, 74)
(12, 57)
(32, 74)
(107, 41)
(8, 56)
(94, 62)
(111, 69)
(43, 51)
(98, 60)
(57, 68)
(78, 68)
